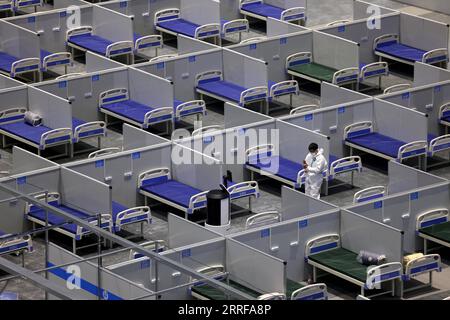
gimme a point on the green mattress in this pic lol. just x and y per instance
(213, 293)
(314, 70)
(343, 261)
(439, 231)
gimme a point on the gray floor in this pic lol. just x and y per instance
(319, 13)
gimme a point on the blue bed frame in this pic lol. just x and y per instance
(12, 124)
(260, 10)
(84, 39)
(389, 46)
(116, 103)
(361, 136)
(212, 84)
(169, 21)
(293, 174)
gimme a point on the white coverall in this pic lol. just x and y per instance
(314, 176)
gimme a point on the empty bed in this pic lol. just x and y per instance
(260, 10)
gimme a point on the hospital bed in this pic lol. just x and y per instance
(7, 5)
(373, 70)
(283, 88)
(85, 130)
(325, 253)
(21, 4)
(434, 226)
(212, 84)
(262, 11)
(17, 245)
(233, 27)
(13, 66)
(426, 264)
(444, 116)
(294, 290)
(13, 125)
(51, 60)
(369, 194)
(361, 136)
(260, 158)
(158, 185)
(121, 216)
(116, 103)
(169, 21)
(185, 109)
(144, 43)
(389, 46)
(83, 39)
(301, 65)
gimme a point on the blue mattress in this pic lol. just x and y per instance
(91, 42)
(117, 208)
(130, 109)
(54, 219)
(186, 113)
(6, 61)
(28, 132)
(136, 36)
(172, 191)
(287, 169)
(379, 143)
(223, 89)
(180, 26)
(401, 51)
(77, 122)
(263, 9)
(447, 119)
(44, 54)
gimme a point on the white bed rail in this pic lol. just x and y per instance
(369, 194)
(397, 87)
(56, 136)
(382, 273)
(12, 115)
(358, 128)
(119, 48)
(338, 22)
(372, 70)
(412, 149)
(253, 94)
(424, 264)
(264, 150)
(208, 76)
(78, 31)
(206, 130)
(190, 107)
(132, 215)
(293, 14)
(439, 144)
(263, 218)
(304, 109)
(154, 41)
(166, 15)
(244, 189)
(25, 65)
(435, 56)
(298, 58)
(347, 164)
(103, 152)
(316, 291)
(283, 88)
(57, 59)
(384, 39)
(444, 111)
(432, 217)
(207, 31)
(322, 243)
(345, 76)
(153, 174)
(158, 115)
(113, 96)
(99, 126)
(235, 26)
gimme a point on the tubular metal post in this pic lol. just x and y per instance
(156, 270)
(99, 259)
(46, 241)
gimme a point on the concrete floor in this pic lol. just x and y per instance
(319, 13)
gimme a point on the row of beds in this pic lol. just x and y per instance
(18, 5)
(326, 253)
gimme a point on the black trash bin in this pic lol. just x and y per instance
(218, 210)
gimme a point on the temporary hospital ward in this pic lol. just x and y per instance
(225, 150)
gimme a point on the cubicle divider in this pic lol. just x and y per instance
(425, 74)
(93, 282)
(364, 10)
(383, 239)
(286, 240)
(62, 4)
(335, 52)
(33, 182)
(52, 26)
(111, 25)
(276, 27)
(188, 45)
(142, 11)
(121, 170)
(359, 31)
(332, 95)
(182, 232)
(182, 70)
(18, 41)
(135, 138)
(7, 82)
(275, 50)
(427, 99)
(331, 121)
(83, 91)
(25, 161)
(236, 116)
(401, 210)
(96, 63)
(295, 204)
(55, 112)
(12, 98)
(229, 9)
(84, 193)
(243, 70)
(200, 11)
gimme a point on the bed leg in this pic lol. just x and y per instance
(379, 83)
(249, 204)
(314, 274)
(425, 162)
(425, 249)
(142, 229)
(362, 291)
(393, 288)
(353, 178)
(71, 150)
(99, 142)
(39, 151)
(23, 259)
(74, 246)
(291, 96)
(145, 201)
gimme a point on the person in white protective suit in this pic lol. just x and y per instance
(314, 164)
